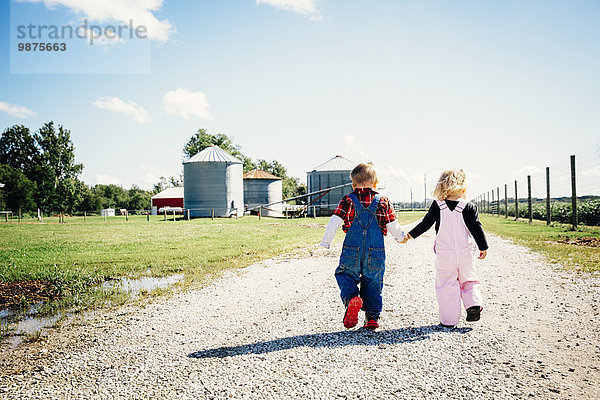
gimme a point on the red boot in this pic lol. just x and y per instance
(371, 324)
(351, 316)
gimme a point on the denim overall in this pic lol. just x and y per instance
(363, 259)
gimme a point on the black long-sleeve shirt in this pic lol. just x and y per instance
(470, 215)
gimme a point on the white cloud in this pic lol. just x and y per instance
(304, 7)
(531, 170)
(592, 172)
(140, 12)
(101, 39)
(356, 149)
(16, 110)
(184, 103)
(103, 179)
(394, 182)
(130, 108)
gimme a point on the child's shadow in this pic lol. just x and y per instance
(361, 337)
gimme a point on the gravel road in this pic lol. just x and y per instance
(274, 331)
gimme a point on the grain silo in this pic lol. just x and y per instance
(333, 172)
(261, 187)
(212, 180)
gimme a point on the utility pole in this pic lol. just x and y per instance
(425, 188)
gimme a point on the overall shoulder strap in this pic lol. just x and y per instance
(460, 206)
(357, 204)
(441, 204)
(374, 203)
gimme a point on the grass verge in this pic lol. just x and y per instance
(547, 240)
(76, 257)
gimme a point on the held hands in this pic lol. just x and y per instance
(406, 237)
(482, 254)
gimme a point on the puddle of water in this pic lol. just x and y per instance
(148, 283)
(29, 326)
(24, 323)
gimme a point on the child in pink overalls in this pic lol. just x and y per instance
(458, 233)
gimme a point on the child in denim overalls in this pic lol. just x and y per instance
(459, 233)
(367, 217)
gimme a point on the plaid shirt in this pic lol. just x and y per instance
(385, 212)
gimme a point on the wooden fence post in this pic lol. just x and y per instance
(573, 194)
(19, 218)
(505, 200)
(548, 215)
(84, 216)
(498, 198)
(165, 214)
(529, 198)
(188, 214)
(212, 215)
(516, 202)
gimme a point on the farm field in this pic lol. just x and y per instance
(573, 249)
(69, 260)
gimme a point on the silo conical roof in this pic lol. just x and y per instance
(214, 154)
(260, 174)
(337, 163)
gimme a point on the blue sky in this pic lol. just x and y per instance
(499, 88)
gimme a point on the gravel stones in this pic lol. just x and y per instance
(274, 331)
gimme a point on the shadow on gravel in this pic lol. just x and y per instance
(361, 337)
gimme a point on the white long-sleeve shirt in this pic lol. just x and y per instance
(336, 222)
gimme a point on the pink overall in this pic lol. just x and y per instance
(455, 276)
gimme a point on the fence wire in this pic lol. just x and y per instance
(551, 192)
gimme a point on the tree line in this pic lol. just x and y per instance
(39, 171)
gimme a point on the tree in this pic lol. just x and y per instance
(292, 187)
(91, 201)
(18, 149)
(274, 167)
(202, 139)
(138, 199)
(53, 167)
(112, 196)
(71, 194)
(18, 192)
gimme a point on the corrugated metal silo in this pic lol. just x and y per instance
(261, 187)
(333, 172)
(212, 180)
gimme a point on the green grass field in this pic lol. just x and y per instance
(547, 240)
(76, 256)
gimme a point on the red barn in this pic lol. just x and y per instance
(171, 197)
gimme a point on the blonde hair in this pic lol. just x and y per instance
(363, 173)
(451, 181)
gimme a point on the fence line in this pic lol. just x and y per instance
(574, 181)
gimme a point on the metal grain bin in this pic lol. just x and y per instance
(333, 172)
(212, 180)
(261, 187)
